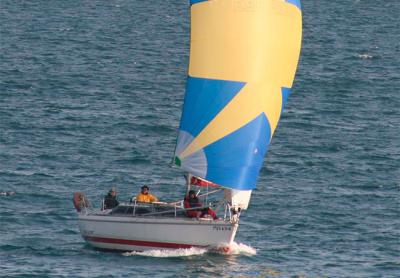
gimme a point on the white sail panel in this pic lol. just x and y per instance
(238, 198)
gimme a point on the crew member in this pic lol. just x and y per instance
(145, 197)
(191, 201)
(110, 200)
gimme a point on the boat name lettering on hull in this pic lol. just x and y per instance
(217, 228)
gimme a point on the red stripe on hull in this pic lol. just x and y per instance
(140, 242)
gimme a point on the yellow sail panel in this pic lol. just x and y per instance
(245, 40)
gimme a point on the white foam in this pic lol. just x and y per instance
(364, 56)
(231, 249)
(7, 193)
(169, 253)
(236, 249)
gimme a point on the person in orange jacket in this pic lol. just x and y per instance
(145, 197)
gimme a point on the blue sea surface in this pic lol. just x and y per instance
(91, 95)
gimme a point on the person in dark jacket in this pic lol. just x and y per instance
(191, 201)
(110, 200)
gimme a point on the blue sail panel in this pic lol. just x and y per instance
(241, 155)
(192, 2)
(204, 99)
(285, 95)
(297, 3)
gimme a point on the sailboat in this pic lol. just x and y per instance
(243, 59)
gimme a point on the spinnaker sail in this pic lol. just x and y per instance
(243, 59)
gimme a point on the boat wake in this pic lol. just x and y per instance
(169, 253)
(236, 249)
(231, 249)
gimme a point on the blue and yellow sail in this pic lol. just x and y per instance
(243, 59)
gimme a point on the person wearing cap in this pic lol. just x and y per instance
(145, 197)
(192, 201)
(110, 200)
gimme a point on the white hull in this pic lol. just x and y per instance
(144, 233)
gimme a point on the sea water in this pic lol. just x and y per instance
(91, 95)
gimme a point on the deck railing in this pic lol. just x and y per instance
(176, 208)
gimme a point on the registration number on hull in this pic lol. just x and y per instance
(219, 228)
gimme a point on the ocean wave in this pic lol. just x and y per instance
(365, 56)
(26, 173)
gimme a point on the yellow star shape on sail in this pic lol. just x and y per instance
(251, 41)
